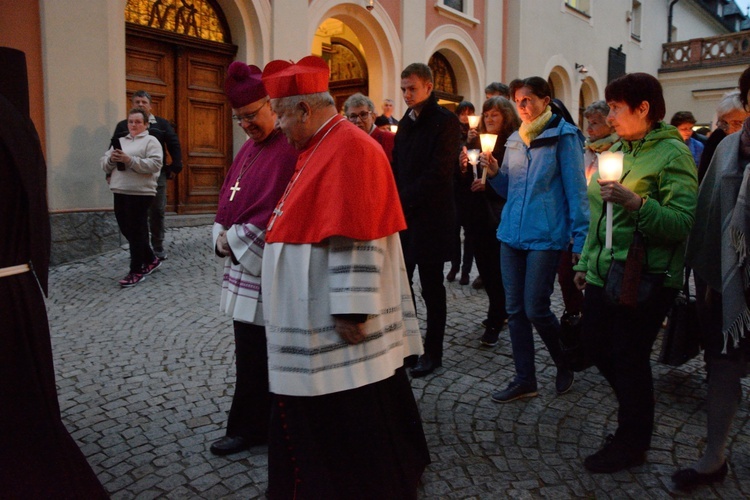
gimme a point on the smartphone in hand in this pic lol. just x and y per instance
(115, 143)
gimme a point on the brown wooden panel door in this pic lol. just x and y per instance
(150, 66)
(207, 144)
(186, 85)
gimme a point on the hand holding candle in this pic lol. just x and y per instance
(473, 155)
(488, 146)
(610, 169)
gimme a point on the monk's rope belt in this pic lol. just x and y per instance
(13, 270)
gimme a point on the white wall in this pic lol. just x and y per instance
(84, 86)
(698, 91)
(554, 38)
(692, 21)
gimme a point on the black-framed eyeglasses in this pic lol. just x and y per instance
(248, 117)
(358, 116)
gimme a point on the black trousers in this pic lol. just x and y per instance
(251, 404)
(131, 213)
(433, 293)
(487, 255)
(620, 340)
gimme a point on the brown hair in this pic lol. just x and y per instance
(633, 89)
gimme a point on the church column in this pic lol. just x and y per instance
(291, 34)
(493, 42)
(413, 15)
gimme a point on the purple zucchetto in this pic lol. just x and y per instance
(243, 84)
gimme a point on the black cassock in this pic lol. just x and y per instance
(38, 458)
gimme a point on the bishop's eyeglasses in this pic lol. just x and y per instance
(248, 117)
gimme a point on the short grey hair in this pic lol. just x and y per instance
(596, 107)
(315, 101)
(728, 103)
(357, 100)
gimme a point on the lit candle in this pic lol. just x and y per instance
(488, 142)
(394, 128)
(473, 155)
(610, 169)
(474, 121)
(488, 145)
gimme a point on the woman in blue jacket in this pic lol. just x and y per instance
(542, 177)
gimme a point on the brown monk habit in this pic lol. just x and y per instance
(38, 458)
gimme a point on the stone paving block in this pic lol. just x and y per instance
(154, 391)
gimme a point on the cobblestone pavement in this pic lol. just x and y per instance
(145, 377)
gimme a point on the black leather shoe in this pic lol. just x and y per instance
(229, 445)
(689, 479)
(564, 380)
(614, 457)
(425, 366)
(451, 276)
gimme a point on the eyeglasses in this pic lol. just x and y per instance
(361, 116)
(248, 117)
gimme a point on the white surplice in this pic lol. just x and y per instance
(240, 284)
(304, 284)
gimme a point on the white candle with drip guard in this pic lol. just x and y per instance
(474, 121)
(488, 145)
(473, 156)
(610, 169)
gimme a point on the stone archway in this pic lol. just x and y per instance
(588, 95)
(459, 50)
(379, 43)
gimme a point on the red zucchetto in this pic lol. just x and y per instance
(243, 84)
(285, 79)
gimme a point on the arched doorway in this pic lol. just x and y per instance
(587, 96)
(445, 84)
(178, 51)
(340, 47)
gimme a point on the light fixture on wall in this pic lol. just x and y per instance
(581, 69)
(370, 4)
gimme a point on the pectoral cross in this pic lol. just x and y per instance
(234, 189)
(276, 213)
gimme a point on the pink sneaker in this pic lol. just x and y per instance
(131, 279)
(150, 268)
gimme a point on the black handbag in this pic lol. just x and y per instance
(648, 284)
(681, 341)
(571, 333)
(627, 284)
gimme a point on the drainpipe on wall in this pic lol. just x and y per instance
(669, 20)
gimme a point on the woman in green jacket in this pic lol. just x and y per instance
(656, 197)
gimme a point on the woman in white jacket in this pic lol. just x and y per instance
(132, 171)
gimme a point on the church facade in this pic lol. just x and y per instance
(86, 57)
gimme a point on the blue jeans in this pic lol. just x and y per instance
(529, 280)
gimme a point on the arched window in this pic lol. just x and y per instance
(196, 18)
(444, 81)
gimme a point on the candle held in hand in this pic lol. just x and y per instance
(610, 169)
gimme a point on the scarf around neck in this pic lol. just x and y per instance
(529, 131)
(716, 248)
(739, 224)
(602, 144)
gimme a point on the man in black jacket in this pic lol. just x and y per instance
(425, 157)
(161, 129)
